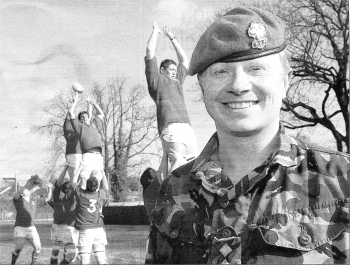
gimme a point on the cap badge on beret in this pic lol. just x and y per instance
(257, 31)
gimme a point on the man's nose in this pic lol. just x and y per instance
(240, 82)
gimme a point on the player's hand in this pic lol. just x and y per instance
(90, 99)
(156, 28)
(167, 32)
(49, 185)
(76, 97)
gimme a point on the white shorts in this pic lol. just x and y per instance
(93, 161)
(74, 160)
(181, 133)
(27, 232)
(64, 233)
(92, 236)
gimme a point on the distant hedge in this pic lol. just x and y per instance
(125, 215)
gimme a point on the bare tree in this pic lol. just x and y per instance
(128, 129)
(319, 48)
(54, 114)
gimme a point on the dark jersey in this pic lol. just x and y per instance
(167, 94)
(88, 135)
(72, 139)
(26, 210)
(89, 208)
(63, 207)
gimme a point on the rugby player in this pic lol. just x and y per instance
(26, 203)
(88, 221)
(63, 233)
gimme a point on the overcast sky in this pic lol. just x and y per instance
(45, 46)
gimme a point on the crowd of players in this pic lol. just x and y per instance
(78, 226)
(77, 202)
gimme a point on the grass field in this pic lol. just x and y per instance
(126, 244)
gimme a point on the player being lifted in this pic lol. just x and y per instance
(26, 203)
(165, 87)
(73, 149)
(90, 141)
(92, 235)
(63, 233)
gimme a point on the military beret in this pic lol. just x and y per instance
(244, 33)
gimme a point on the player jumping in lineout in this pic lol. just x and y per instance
(90, 141)
(165, 87)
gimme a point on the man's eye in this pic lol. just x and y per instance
(256, 68)
(221, 71)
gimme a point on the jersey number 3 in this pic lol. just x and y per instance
(92, 207)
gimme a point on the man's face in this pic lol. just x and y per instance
(85, 119)
(170, 71)
(245, 97)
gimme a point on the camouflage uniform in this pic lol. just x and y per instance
(293, 209)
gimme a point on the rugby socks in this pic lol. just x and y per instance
(54, 257)
(34, 257)
(15, 255)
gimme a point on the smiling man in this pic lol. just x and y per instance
(254, 194)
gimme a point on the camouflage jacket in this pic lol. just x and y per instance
(293, 209)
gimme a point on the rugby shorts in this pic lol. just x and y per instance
(27, 232)
(74, 160)
(92, 236)
(64, 233)
(181, 133)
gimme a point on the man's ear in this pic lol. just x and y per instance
(161, 70)
(200, 83)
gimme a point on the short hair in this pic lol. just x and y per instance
(35, 180)
(285, 62)
(147, 177)
(92, 184)
(80, 115)
(166, 63)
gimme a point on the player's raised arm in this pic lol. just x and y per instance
(89, 106)
(75, 101)
(152, 42)
(61, 177)
(104, 182)
(32, 185)
(92, 103)
(181, 55)
(49, 194)
(76, 175)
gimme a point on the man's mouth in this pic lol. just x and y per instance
(241, 105)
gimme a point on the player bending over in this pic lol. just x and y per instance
(63, 233)
(26, 202)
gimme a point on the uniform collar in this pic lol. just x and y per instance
(207, 167)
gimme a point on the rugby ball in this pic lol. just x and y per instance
(77, 88)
